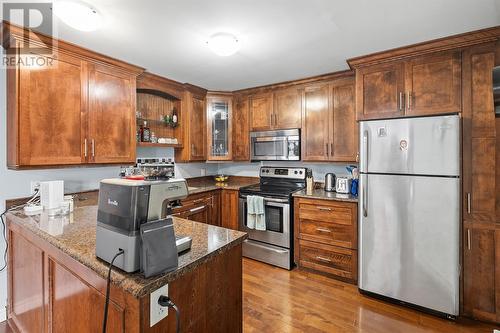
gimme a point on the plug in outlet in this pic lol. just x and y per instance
(35, 185)
(156, 311)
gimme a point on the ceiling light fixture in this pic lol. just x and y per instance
(223, 44)
(78, 15)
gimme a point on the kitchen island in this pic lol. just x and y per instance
(55, 282)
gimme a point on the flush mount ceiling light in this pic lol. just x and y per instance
(223, 44)
(78, 15)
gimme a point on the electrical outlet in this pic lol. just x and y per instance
(35, 185)
(156, 311)
(203, 172)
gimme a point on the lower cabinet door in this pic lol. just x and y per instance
(200, 213)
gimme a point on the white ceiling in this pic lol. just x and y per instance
(280, 39)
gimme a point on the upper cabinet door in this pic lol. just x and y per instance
(433, 84)
(344, 133)
(197, 130)
(112, 116)
(315, 123)
(287, 108)
(380, 91)
(52, 105)
(241, 137)
(219, 114)
(261, 112)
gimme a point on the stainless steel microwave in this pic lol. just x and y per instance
(282, 145)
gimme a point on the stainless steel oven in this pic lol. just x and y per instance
(273, 244)
(283, 145)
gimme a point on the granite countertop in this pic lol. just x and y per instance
(319, 193)
(205, 184)
(74, 234)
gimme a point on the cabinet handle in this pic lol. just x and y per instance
(468, 203)
(198, 200)
(408, 100)
(85, 147)
(196, 209)
(401, 101)
(93, 148)
(326, 149)
(324, 208)
(323, 230)
(275, 120)
(468, 239)
(331, 149)
(323, 259)
(192, 149)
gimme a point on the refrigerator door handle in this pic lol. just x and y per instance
(365, 151)
(365, 197)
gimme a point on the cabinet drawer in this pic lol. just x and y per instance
(329, 259)
(338, 234)
(325, 211)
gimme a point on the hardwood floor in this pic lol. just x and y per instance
(276, 300)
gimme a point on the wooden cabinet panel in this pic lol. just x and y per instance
(201, 207)
(287, 108)
(229, 209)
(200, 213)
(52, 113)
(197, 130)
(112, 116)
(333, 260)
(261, 112)
(379, 90)
(315, 128)
(241, 133)
(433, 84)
(219, 127)
(344, 128)
(215, 208)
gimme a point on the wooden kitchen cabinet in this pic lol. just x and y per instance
(76, 109)
(326, 237)
(241, 133)
(261, 112)
(287, 108)
(425, 85)
(219, 127)
(329, 128)
(200, 207)
(229, 209)
(481, 187)
(193, 127)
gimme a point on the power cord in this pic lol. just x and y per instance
(106, 305)
(165, 301)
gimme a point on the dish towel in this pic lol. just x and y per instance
(260, 213)
(250, 212)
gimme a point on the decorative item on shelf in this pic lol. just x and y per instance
(172, 120)
(154, 139)
(146, 133)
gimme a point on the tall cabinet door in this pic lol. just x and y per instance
(380, 91)
(261, 112)
(315, 123)
(287, 108)
(219, 122)
(344, 128)
(197, 130)
(52, 110)
(112, 116)
(433, 84)
(241, 136)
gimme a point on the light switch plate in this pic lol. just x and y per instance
(156, 311)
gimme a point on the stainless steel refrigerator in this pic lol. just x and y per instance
(409, 211)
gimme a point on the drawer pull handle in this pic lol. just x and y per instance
(196, 209)
(325, 209)
(198, 200)
(323, 230)
(323, 259)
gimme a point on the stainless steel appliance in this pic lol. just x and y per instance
(343, 185)
(282, 145)
(409, 211)
(275, 244)
(126, 204)
(330, 182)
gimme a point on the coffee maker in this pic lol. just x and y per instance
(124, 205)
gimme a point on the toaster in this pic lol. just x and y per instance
(343, 185)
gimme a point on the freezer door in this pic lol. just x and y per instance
(420, 146)
(409, 239)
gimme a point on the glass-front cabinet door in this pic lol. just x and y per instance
(219, 115)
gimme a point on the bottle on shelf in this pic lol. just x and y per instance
(174, 117)
(146, 133)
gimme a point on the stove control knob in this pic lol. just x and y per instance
(301, 172)
(295, 172)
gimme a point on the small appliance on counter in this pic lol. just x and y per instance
(343, 185)
(330, 182)
(135, 216)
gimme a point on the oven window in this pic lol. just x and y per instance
(274, 218)
(268, 148)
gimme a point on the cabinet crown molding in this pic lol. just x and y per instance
(436, 45)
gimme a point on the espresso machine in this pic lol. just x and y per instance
(125, 208)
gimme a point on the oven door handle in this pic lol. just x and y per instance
(266, 199)
(270, 139)
(266, 248)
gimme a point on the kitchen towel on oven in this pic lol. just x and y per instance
(260, 213)
(251, 216)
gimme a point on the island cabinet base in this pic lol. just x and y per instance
(49, 291)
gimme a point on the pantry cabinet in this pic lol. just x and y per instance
(77, 108)
(424, 85)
